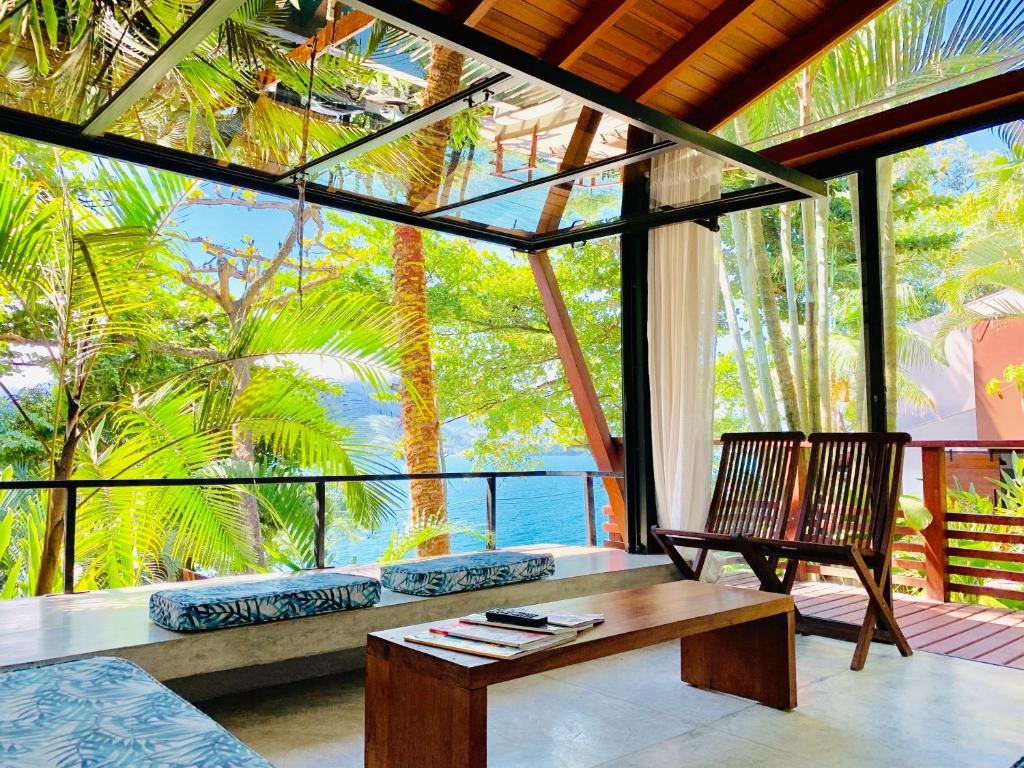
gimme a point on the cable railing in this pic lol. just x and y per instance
(319, 483)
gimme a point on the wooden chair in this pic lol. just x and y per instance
(847, 517)
(753, 496)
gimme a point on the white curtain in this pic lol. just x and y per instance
(683, 290)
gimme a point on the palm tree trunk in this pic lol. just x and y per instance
(420, 425)
(793, 315)
(753, 412)
(772, 320)
(53, 537)
(821, 250)
(244, 451)
(889, 300)
(811, 316)
(749, 293)
(861, 375)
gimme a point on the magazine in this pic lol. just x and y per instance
(523, 639)
(476, 648)
(547, 629)
(575, 620)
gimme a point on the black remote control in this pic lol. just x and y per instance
(517, 617)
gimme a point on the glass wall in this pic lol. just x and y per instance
(789, 338)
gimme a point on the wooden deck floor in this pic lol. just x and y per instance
(991, 635)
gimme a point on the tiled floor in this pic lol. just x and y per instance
(992, 635)
(632, 711)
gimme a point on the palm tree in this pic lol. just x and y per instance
(421, 429)
(83, 274)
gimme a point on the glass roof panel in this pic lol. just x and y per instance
(66, 60)
(594, 199)
(911, 51)
(241, 97)
(519, 135)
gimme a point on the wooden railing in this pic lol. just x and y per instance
(951, 562)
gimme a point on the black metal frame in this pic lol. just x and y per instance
(872, 311)
(641, 507)
(512, 65)
(319, 483)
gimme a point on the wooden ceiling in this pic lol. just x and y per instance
(702, 61)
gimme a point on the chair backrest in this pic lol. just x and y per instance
(754, 489)
(852, 489)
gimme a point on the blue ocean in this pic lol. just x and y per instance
(530, 510)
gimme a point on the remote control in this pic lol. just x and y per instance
(515, 616)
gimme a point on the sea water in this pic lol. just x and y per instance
(529, 510)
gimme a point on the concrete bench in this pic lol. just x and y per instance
(202, 665)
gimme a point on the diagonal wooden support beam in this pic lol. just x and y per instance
(689, 48)
(606, 453)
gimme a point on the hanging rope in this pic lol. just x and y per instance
(303, 176)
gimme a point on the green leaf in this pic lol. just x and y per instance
(10, 587)
(50, 21)
(915, 513)
(6, 526)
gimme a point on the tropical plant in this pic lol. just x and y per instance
(92, 295)
(914, 44)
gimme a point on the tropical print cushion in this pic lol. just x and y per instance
(461, 573)
(107, 712)
(239, 604)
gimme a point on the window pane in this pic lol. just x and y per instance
(69, 64)
(789, 339)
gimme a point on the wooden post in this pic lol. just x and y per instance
(933, 463)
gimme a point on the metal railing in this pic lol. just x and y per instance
(319, 483)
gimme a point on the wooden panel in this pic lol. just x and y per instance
(825, 32)
(590, 27)
(690, 48)
(756, 660)
(986, 573)
(967, 517)
(416, 719)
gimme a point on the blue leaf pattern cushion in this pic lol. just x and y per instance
(461, 573)
(104, 712)
(239, 604)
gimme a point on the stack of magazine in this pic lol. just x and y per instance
(477, 635)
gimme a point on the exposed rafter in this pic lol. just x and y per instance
(981, 104)
(845, 18)
(181, 43)
(599, 16)
(689, 48)
(504, 57)
(470, 12)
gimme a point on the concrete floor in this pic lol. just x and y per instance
(630, 711)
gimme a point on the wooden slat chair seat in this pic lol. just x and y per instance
(847, 517)
(753, 496)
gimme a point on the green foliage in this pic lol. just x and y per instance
(402, 543)
(1009, 502)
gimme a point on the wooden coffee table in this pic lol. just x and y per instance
(427, 707)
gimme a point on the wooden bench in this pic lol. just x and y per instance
(427, 707)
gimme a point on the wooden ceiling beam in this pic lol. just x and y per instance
(985, 103)
(598, 18)
(690, 48)
(471, 12)
(842, 20)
